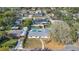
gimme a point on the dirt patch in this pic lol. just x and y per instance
(33, 43)
(53, 45)
(50, 44)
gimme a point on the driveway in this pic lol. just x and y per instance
(42, 43)
(20, 44)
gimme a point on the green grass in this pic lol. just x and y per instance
(1, 32)
(8, 44)
(27, 22)
(4, 49)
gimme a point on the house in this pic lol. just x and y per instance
(76, 15)
(15, 33)
(39, 13)
(38, 33)
(40, 21)
(29, 16)
(19, 33)
(18, 21)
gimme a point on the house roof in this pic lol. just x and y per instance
(39, 13)
(15, 32)
(18, 21)
(38, 32)
(18, 32)
(40, 21)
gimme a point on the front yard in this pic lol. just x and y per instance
(32, 43)
(53, 45)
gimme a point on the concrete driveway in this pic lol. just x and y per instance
(20, 44)
(42, 43)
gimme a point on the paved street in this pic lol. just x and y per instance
(70, 48)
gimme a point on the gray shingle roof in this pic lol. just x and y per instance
(40, 21)
(38, 32)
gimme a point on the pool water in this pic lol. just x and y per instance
(34, 30)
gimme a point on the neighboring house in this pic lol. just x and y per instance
(15, 33)
(40, 21)
(19, 33)
(29, 16)
(38, 33)
(39, 13)
(76, 15)
(18, 21)
(36, 25)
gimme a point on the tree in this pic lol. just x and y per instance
(27, 22)
(7, 19)
(61, 32)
